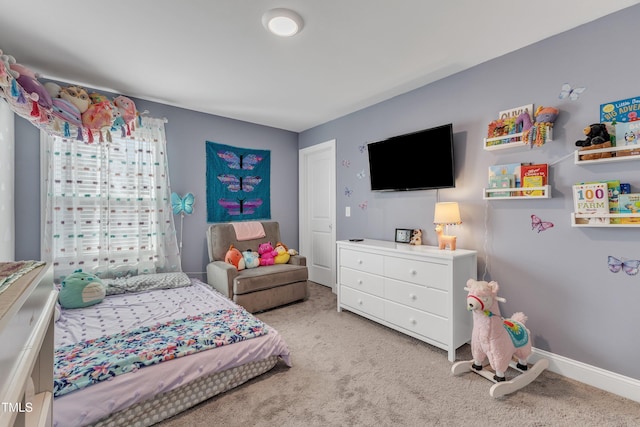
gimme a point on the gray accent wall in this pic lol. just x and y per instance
(559, 278)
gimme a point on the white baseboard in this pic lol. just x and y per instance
(587, 374)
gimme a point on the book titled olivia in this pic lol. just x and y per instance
(592, 199)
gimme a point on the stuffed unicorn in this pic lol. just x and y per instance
(494, 337)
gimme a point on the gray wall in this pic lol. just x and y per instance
(559, 278)
(577, 308)
(187, 132)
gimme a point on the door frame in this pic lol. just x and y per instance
(303, 207)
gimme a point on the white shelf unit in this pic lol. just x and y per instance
(578, 215)
(26, 355)
(635, 147)
(415, 289)
(515, 141)
(546, 193)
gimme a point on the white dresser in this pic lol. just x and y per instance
(26, 350)
(417, 290)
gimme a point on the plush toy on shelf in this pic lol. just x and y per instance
(235, 258)
(497, 340)
(537, 134)
(596, 137)
(267, 253)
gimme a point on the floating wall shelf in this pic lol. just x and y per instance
(614, 150)
(514, 140)
(577, 215)
(517, 193)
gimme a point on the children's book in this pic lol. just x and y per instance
(615, 112)
(501, 181)
(593, 199)
(628, 133)
(629, 203)
(507, 169)
(613, 192)
(534, 176)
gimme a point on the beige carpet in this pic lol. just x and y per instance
(349, 371)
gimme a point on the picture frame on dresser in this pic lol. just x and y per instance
(403, 235)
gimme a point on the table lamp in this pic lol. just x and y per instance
(446, 213)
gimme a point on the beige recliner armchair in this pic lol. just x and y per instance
(256, 289)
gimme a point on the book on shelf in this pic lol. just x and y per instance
(628, 133)
(512, 169)
(501, 181)
(620, 111)
(629, 203)
(592, 199)
(613, 192)
(534, 176)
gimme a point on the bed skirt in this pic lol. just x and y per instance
(173, 402)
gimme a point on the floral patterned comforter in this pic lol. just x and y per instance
(87, 362)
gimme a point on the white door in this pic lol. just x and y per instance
(317, 211)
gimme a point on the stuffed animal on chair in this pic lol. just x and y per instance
(251, 259)
(267, 253)
(283, 254)
(494, 337)
(234, 257)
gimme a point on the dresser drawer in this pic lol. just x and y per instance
(421, 298)
(423, 273)
(362, 281)
(360, 301)
(416, 321)
(363, 261)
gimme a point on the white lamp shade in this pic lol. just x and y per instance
(447, 213)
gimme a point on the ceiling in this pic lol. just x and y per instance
(215, 56)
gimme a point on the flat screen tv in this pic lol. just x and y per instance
(420, 160)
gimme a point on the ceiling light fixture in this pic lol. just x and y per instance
(282, 22)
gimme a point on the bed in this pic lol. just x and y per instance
(102, 378)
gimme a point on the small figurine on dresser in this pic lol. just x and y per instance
(416, 237)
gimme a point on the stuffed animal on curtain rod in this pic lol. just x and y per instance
(494, 337)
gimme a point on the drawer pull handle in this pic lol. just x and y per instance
(412, 297)
(413, 272)
(412, 321)
(359, 261)
(359, 302)
(359, 281)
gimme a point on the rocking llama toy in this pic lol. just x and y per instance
(499, 340)
(444, 240)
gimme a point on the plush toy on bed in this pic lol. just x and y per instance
(80, 289)
(283, 253)
(234, 257)
(267, 253)
(251, 259)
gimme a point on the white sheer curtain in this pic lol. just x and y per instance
(108, 208)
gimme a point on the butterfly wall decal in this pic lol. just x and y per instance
(570, 92)
(361, 174)
(182, 204)
(540, 225)
(362, 148)
(364, 205)
(235, 161)
(239, 183)
(628, 266)
(346, 163)
(240, 206)
(348, 192)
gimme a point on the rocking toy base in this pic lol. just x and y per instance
(501, 388)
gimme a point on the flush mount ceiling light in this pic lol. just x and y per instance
(282, 22)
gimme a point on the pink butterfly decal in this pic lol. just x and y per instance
(540, 225)
(628, 266)
(363, 205)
